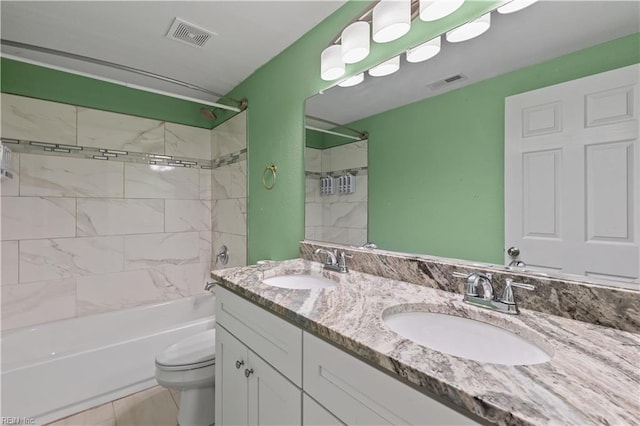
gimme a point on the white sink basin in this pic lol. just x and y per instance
(299, 282)
(466, 338)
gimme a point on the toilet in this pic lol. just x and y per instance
(189, 366)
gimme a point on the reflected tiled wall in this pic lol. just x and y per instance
(338, 218)
(229, 189)
(82, 236)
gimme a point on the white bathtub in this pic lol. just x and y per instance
(60, 368)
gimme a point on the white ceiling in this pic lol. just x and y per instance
(543, 31)
(132, 33)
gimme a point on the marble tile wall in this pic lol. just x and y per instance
(339, 218)
(229, 189)
(82, 236)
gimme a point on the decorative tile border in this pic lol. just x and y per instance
(232, 158)
(613, 307)
(75, 151)
(92, 153)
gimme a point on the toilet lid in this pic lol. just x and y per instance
(195, 349)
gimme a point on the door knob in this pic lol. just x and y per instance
(239, 364)
(248, 372)
(513, 251)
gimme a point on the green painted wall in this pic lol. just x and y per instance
(314, 139)
(33, 81)
(275, 122)
(436, 166)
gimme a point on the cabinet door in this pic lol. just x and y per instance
(314, 414)
(273, 400)
(231, 383)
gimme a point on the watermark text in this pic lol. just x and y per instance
(17, 421)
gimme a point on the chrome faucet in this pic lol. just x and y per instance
(335, 261)
(331, 256)
(505, 304)
(479, 280)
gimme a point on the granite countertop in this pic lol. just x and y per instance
(593, 376)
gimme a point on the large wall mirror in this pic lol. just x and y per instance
(436, 129)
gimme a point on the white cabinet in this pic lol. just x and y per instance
(358, 394)
(260, 371)
(248, 390)
(273, 400)
(314, 414)
(258, 365)
(232, 388)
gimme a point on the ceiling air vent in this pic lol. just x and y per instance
(188, 33)
(440, 84)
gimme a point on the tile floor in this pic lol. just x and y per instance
(156, 406)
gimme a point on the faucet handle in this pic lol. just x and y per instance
(342, 260)
(459, 275)
(507, 294)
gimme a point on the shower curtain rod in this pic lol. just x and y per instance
(361, 134)
(242, 104)
(317, 129)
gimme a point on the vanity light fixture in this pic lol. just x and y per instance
(352, 81)
(424, 51)
(470, 29)
(355, 42)
(386, 68)
(331, 64)
(432, 10)
(391, 20)
(515, 5)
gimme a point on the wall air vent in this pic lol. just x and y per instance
(188, 33)
(446, 82)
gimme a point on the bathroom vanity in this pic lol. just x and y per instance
(326, 355)
(283, 370)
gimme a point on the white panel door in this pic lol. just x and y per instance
(572, 180)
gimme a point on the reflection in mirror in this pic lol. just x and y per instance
(336, 184)
(437, 128)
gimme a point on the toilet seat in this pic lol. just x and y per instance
(185, 366)
(197, 351)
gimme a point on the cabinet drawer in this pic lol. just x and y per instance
(277, 341)
(358, 394)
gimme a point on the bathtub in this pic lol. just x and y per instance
(57, 369)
